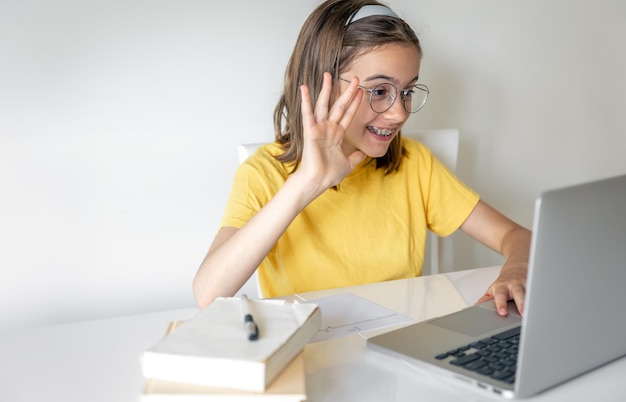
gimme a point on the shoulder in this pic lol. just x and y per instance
(416, 153)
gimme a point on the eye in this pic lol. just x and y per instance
(408, 93)
(380, 92)
(383, 92)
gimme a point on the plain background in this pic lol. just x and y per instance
(119, 121)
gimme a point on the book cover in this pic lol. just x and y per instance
(212, 348)
(289, 386)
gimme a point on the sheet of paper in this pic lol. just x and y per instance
(346, 314)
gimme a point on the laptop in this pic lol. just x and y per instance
(574, 308)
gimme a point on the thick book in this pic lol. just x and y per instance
(289, 386)
(212, 348)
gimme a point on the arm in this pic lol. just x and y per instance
(236, 253)
(506, 237)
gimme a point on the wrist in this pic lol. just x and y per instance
(305, 189)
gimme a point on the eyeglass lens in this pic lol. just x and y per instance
(382, 97)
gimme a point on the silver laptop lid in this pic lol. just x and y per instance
(574, 314)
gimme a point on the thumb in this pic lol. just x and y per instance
(355, 158)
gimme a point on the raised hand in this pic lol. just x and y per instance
(323, 160)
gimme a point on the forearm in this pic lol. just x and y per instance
(236, 253)
(498, 232)
(516, 247)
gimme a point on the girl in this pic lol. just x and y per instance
(340, 198)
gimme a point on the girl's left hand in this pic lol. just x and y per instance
(510, 285)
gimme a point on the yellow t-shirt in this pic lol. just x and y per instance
(372, 229)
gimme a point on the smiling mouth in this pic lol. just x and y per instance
(383, 132)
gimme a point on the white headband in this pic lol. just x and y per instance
(368, 11)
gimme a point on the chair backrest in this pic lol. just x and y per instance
(439, 255)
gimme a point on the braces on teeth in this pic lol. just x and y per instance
(382, 131)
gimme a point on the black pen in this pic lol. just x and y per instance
(248, 320)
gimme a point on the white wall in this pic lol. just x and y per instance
(119, 121)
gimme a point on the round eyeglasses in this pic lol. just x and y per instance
(383, 96)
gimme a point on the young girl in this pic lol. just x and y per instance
(340, 198)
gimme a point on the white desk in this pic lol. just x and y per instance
(99, 360)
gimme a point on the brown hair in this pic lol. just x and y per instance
(326, 44)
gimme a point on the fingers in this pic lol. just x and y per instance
(305, 105)
(343, 109)
(355, 158)
(502, 293)
(486, 296)
(510, 285)
(519, 294)
(501, 298)
(347, 104)
(350, 112)
(323, 100)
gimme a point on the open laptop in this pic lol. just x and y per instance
(574, 311)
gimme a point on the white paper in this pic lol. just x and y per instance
(347, 314)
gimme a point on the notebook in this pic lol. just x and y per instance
(574, 307)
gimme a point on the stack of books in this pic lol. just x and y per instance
(212, 357)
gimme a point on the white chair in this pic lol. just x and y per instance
(444, 144)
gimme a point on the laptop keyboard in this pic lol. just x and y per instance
(495, 357)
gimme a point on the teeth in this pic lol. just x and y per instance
(382, 131)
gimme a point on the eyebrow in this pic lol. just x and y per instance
(388, 78)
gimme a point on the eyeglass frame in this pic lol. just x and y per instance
(403, 95)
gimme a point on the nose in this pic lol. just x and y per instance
(397, 112)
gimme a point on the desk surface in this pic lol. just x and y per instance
(99, 360)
